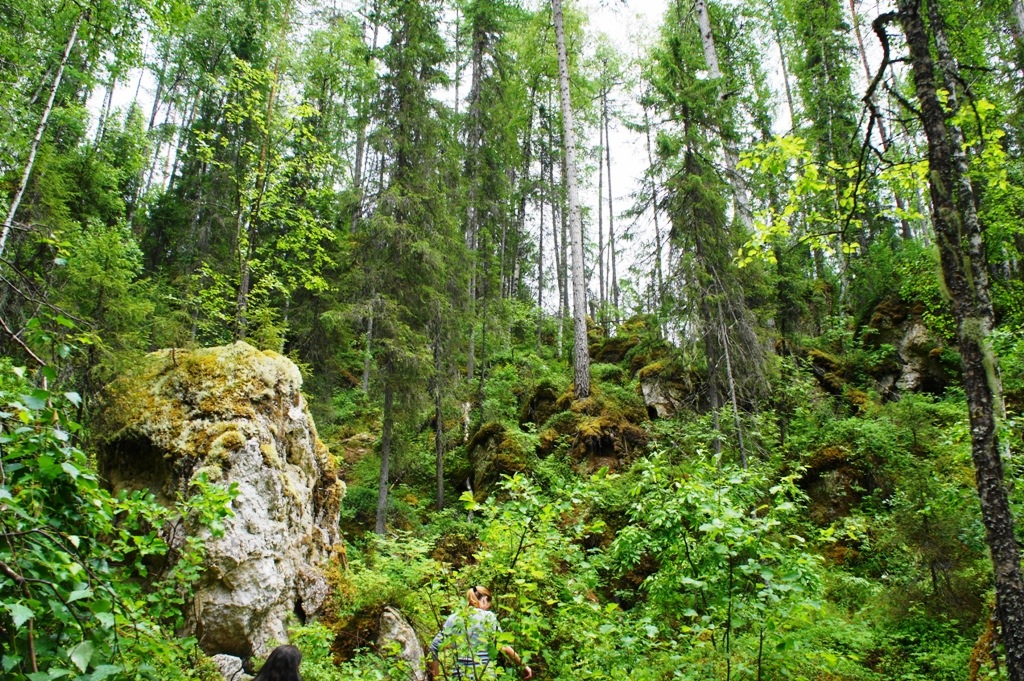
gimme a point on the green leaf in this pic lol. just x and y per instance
(105, 670)
(82, 654)
(79, 594)
(74, 398)
(19, 613)
(8, 662)
(33, 401)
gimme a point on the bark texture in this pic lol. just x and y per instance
(961, 249)
(581, 353)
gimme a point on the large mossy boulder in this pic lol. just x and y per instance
(237, 415)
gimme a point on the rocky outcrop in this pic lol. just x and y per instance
(396, 632)
(920, 354)
(916, 361)
(230, 667)
(495, 451)
(667, 387)
(237, 416)
(663, 399)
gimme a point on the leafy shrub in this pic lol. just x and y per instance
(78, 598)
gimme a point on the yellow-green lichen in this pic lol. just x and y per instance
(270, 455)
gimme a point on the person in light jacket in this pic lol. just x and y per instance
(471, 633)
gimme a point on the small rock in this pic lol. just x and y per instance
(230, 667)
(394, 628)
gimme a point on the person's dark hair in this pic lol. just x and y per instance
(282, 665)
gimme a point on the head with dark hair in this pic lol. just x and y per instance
(282, 665)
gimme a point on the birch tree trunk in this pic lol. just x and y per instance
(739, 185)
(581, 353)
(5, 231)
(961, 251)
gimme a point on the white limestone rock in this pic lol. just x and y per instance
(394, 628)
(237, 415)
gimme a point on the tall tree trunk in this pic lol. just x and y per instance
(777, 34)
(360, 151)
(563, 270)
(961, 251)
(182, 138)
(368, 352)
(438, 417)
(707, 38)
(540, 272)
(714, 394)
(108, 103)
(883, 134)
(556, 224)
(739, 184)
(613, 281)
(737, 424)
(5, 231)
(581, 353)
(385, 455)
(474, 136)
(601, 297)
(654, 208)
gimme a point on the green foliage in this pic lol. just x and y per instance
(79, 595)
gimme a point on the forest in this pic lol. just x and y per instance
(701, 348)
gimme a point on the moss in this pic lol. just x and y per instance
(495, 451)
(860, 400)
(614, 349)
(608, 373)
(888, 314)
(656, 369)
(829, 371)
(270, 455)
(195, 409)
(603, 431)
(540, 404)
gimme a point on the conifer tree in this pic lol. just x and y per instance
(408, 249)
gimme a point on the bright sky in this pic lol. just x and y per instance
(631, 25)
